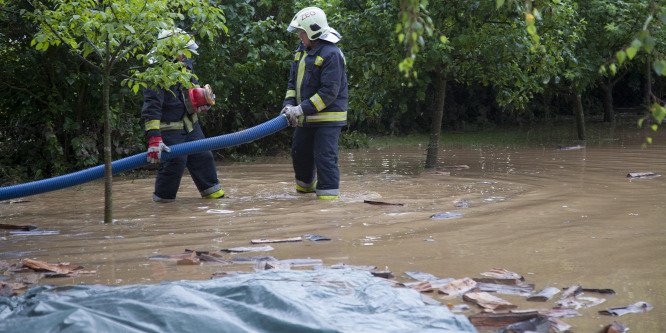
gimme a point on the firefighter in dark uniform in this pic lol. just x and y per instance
(316, 104)
(168, 122)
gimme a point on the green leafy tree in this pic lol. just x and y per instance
(480, 43)
(379, 97)
(649, 41)
(609, 25)
(112, 36)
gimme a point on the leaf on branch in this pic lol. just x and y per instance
(499, 3)
(659, 112)
(649, 44)
(621, 56)
(659, 67)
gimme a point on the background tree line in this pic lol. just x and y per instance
(476, 65)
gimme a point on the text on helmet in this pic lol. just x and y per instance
(308, 14)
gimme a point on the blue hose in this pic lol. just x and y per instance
(139, 160)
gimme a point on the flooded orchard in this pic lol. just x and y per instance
(559, 217)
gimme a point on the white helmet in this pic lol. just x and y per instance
(180, 34)
(313, 21)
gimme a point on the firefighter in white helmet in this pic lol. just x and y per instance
(316, 103)
(170, 119)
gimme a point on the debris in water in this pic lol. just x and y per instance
(263, 265)
(286, 264)
(558, 312)
(342, 265)
(11, 202)
(571, 292)
(254, 259)
(459, 307)
(383, 274)
(642, 175)
(544, 294)
(17, 227)
(176, 256)
(219, 211)
(461, 203)
(581, 302)
(538, 324)
(422, 286)
(221, 274)
(213, 258)
(264, 248)
(315, 238)
(488, 301)
(446, 215)
(488, 321)
(190, 257)
(12, 284)
(503, 274)
(614, 327)
(622, 310)
(571, 147)
(284, 240)
(600, 291)
(34, 232)
(380, 203)
(302, 262)
(454, 167)
(7, 290)
(55, 270)
(189, 261)
(520, 290)
(570, 298)
(457, 287)
(416, 275)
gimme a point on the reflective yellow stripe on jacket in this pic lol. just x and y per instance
(173, 125)
(301, 72)
(328, 116)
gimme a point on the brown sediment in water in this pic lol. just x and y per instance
(558, 217)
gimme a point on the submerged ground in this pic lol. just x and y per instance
(559, 217)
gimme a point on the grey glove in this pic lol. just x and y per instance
(284, 109)
(293, 112)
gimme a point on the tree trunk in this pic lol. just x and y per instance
(648, 82)
(579, 115)
(436, 124)
(609, 113)
(108, 173)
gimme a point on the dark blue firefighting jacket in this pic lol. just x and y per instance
(318, 83)
(164, 109)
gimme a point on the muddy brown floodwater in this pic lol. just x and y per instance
(558, 217)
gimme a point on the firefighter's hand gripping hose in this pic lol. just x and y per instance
(218, 142)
